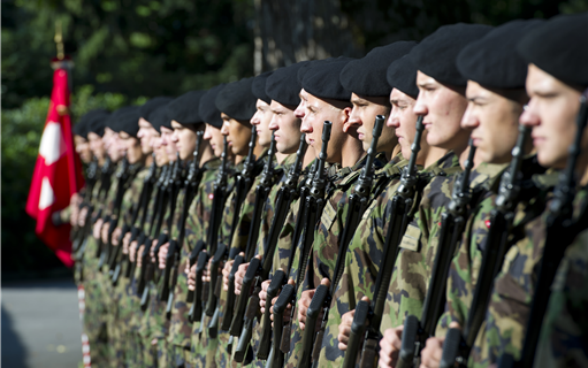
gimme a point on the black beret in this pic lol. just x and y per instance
(283, 86)
(560, 48)
(365, 76)
(207, 107)
(184, 109)
(401, 75)
(81, 129)
(304, 68)
(151, 105)
(160, 118)
(258, 87)
(97, 121)
(236, 100)
(127, 120)
(436, 55)
(492, 60)
(322, 80)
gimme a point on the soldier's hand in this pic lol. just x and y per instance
(390, 346)
(163, 255)
(132, 248)
(139, 258)
(96, 231)
(105, 233)
(345, 327)
(287, 310)
(263, 295)
(239, 277)
(226, 273)
(206, 271)
(304, 303)
(152, 250)
(81, 220)
(433, 351)
(192, 277)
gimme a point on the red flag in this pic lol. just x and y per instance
(58, 172)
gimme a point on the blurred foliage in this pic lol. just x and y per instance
(128, 50)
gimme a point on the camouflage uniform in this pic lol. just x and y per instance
(326, 239)
(503, 331)
(563, 335)
(465, 267)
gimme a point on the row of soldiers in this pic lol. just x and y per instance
(424, 205)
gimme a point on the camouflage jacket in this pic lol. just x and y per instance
(563, 341)
(465, 268)
(503, 331)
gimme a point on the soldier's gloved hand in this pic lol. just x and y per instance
(191, 277)
(163, 255)
(433, 351)
(287, 310)
(263, 295)
(139, 258)
(132, 248)
(97, 229)
(104, 233)
(226, 272)
(345, 327)
(390, 346)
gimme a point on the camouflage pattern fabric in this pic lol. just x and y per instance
(503, 330)
(563, 335)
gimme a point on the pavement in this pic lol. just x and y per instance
(40, 324)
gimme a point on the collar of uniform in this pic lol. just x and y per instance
(546, 180)
(447, 165)
(212, 164)
(287, 163)
(487, 175)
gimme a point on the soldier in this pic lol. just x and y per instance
(555, 80)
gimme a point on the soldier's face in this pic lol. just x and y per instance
(300, 110)
(166, 141)
(83, 148)
(132, 147)
(551, 113)
(494, 121)
(185, 140)
(111, 144)
(403, 119)
(96, 145)
(215, 138)
(146, 134)
(261, 120)
(317, 111)
(442, 108)
(363, 115)
(286, 126)
(160, 152)
(238, 135)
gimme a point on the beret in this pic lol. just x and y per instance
(236, 100)
(151, 105)
(97, 121)
(81, 129)
(207, 107)
(559, 47)
(401, 75)
(322, 80)
(365, 76)
(491, 60)
(258, 87)
(436, 55)
(283, 86)
(309, 64)
(184, 109)
(159, 118)
(127, 120)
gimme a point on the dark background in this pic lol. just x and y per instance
(126, 51)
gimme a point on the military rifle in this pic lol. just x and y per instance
(561, 230)
(313, 206)
(371, 313)
(453, 221)
(457, 346)
(321, 300)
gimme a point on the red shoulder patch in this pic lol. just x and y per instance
(487, 223)
(211, 196)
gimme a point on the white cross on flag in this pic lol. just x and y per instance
(58, 172)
